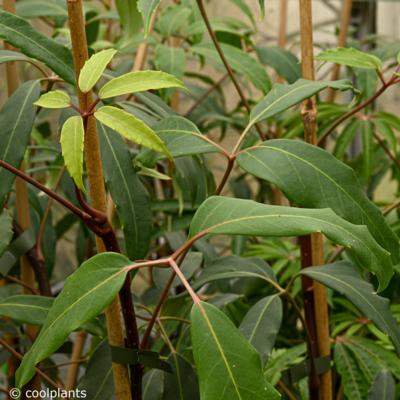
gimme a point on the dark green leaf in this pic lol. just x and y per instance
(262, 323)
(127, 192)
(16, 123)
(228, 366)
(6, 232)
(311, 177)
(129, 16)
(20, 34)
(344, 278)
(41, 8)
(240, 62)
(222, 215)
(170, 59)
(383, 387)
(285, 63)
(153, 385)
(281, 97)
(367, 147)
(87, 292)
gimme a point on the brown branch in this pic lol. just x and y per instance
(21, 283)
(38, 370)
(382, 143)
(225, 62)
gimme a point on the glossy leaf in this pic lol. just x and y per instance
(285, 63)
(139, 81)
(93, 69)
(147, 8)
(383, 387)
(22, 35)
(350, 57)
(131, 128)
(344, 278)
(182, 137)
(17, 118)
(222, 215)
(281, 97)
(311, 177)
(240, 61)
(53, 99)
(236, 371)
(72, 143)
(87, 292)
(353, 381)
(6, 232)
(261, 324)
(128, 193)
(229, 267)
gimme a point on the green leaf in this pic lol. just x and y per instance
(281, 97)
(9, 55)
(240, 61)
(285, 63)
(54, 99)
(128, 193)
(182, 383)
(383, 387)
(350, 57)
(182, 137)
(229, 267)
(87, 292)
(261, 324)
(222, 215)
(367, 149)
(20, 34)
(129, 16)
(262, 7)
(344, 278)
(98, 379)
(236, 371)
(139, 81)
(72, 143)
(170, 59)
(93, 69)
(17, 118)
(131, 128)
(311, 177)
(6, 232)
(353, 381)
(41, 8)
(153, 385)
(147, 8)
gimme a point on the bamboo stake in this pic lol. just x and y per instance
(315, 303)
(97, 189)
(283, 8)
(342, 39)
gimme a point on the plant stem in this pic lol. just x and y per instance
(97, 188)
(76, 355)
(225, 62)
(314, 294)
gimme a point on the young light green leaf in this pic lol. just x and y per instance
(94, 68)
(383, 387)
(17, 118)
(53, 99)
(20, 34)
(72, 143)
(350, 57)
(6, 232)
(345, 278)
(147, 8)
(223, 215)
(354, 382)
(87, 292)
(312, 177)
(240, 62)
(281, 97)
(261, 324)
(236, 372)
(127, 192)
(131, 128)
(182, 137)
(138, 81)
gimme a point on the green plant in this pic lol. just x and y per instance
(188, 270)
